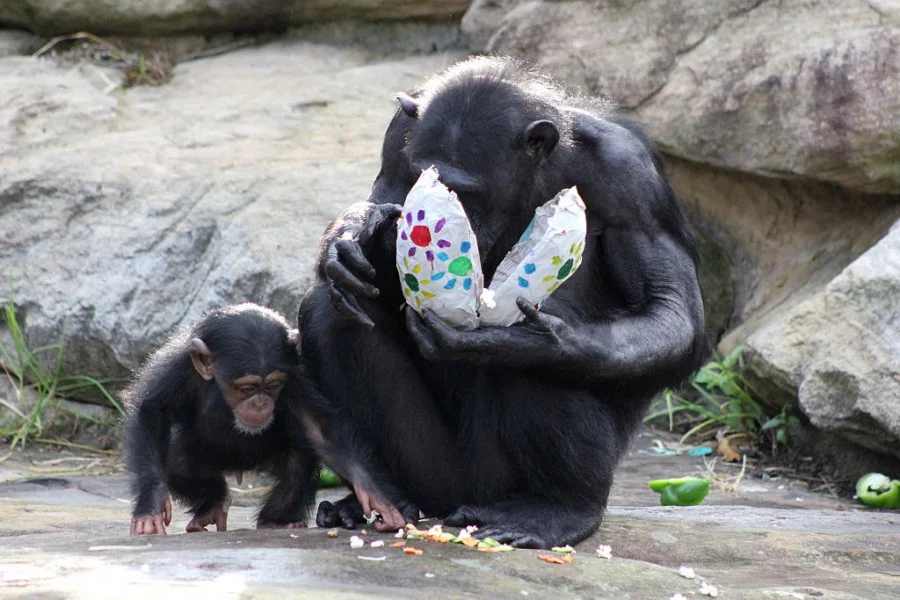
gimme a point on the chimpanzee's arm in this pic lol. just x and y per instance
(341, 260)
(660, 330)
(146, 443)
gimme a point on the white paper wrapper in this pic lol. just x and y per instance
(547, 254)
(437, 254)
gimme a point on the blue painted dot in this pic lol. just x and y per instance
(439, 275)
(465, 247)
(467, 283)
(529, 268)
(443, 256)
(523, 282)
(450, 284)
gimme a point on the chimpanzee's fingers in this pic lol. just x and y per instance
(158, 526)
(445, 336)
(167, 510)
(347, 281)
(134, 527)
(352, 253)
(419, 335)
(382, 215)
(349, 307)
(533, 317)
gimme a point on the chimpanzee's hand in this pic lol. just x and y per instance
(155, 523)
(342, 262)
(538, 340)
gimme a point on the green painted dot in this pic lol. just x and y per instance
(565, 269)
(411, 281)
(460, 266)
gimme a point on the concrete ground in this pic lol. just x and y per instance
(64, 534)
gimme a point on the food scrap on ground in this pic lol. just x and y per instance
(332, 533)
(377, 544)
(686, 491)
(563, 549)
(412, 551)
(604, 551)
(372, 557)
(557, 560)
(357, 542)
(878, 490)
(708, 589)
(686, 572)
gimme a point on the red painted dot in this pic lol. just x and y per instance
(420, 235)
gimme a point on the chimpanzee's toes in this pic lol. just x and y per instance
(326, 515)
(513, 537)
(344, 513)
(409, 511)
(464, 515)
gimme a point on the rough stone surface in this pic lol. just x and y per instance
(125, 213)
(159, 17)
(806, 89)
(840, 349)
(63, 536)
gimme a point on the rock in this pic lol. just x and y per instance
(13, 42)
(163, 17)
(784, 239)
(126, 213)
(840, 350)
(806, 89)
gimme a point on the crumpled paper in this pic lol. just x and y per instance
(440, 268)
(437, 253)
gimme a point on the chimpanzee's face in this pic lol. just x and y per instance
(252, 399)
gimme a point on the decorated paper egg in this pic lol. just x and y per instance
(548, 253)
(437, 254)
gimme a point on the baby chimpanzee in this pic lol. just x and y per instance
(220, 396)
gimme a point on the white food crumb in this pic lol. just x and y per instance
(464, 534)
(400, 534)
(429, 575)
(472, 528)
(435, 530)
(677, 597)
(686, 572)
(487, 298)
(604, 551)
(708, 589)
(378, 544)
(372, 557)
(357, 542)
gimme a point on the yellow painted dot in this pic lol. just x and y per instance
(553, 287)
(548, 278)
(418, 302)
(424, 281)
(556, 260)
(406, 292)
(416, 269)
(427, 294)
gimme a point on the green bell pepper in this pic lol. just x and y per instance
(328, 478)
(878, 490)
(686, 491)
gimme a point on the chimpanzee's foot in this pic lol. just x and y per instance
(528, 522)
(344, 513)
(217, 515)
(350, 511)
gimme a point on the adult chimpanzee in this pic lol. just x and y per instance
(220, 396)
(514, 429)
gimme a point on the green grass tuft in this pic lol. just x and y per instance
(720, 399)
(24, 369)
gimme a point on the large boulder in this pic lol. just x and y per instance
(802, 89)
(126, 213)
(840, 350)
(156, 17)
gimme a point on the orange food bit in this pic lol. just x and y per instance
(413, 551)
(399, 544)
(470, 541)
(556, 560)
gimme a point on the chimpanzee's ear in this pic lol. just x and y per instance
(202, 359)
(541, 138)
(409, 105)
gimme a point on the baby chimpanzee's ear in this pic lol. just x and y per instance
(202, 359)
(541, 138)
